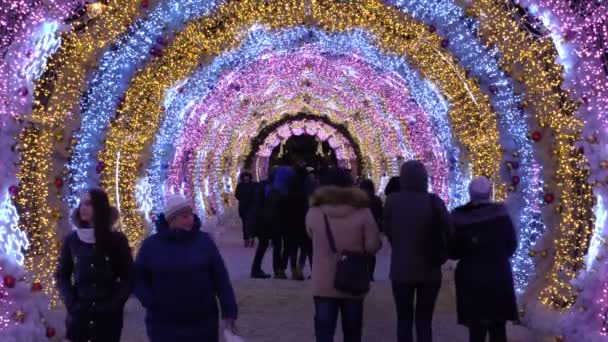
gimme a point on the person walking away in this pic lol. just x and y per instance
(276, 213)
(262, 229)
(346, 209)
(417, 224)
(376, 206)
(95, 272)
(483, 241)
(296, 233)
(244, 193)
(180, 276)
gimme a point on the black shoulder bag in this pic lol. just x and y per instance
(352, 268)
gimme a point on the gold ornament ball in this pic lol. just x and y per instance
(604, 164)
(532, 253)
(544, 254)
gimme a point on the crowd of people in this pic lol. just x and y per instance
(326, 219)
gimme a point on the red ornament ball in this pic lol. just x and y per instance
(549, 198)
(432, 28)
(445, 43)
(51, 332)
(537, 136)
(58, 182)
(9, 281)
(36, 287)
(515, 180)
(13, 189)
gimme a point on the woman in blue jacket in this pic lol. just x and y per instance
(180, 276)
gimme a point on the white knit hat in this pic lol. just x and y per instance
(174, 204)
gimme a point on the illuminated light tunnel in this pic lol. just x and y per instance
(147, 99)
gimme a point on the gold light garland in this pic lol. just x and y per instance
(551, 107)
(63, 89)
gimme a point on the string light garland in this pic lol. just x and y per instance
(246, 12)
(197, 87)
(553, 111)
(67, 76)
(67, 101)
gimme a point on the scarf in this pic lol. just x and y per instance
(86, 235)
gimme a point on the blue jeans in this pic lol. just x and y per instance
(326, 318)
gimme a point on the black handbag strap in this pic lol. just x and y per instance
(330, 235)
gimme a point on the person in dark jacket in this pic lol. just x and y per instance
(376, 206)
(180, 276)
(245, 194)
(261, 230)
(484, 240)
(277, 214)
(95, 272)
(296, 231)
(392, 186)
(417, 224)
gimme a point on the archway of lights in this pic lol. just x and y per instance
(150, 98)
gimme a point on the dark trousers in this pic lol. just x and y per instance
(415, 303)
(246, 228)
(305, 252)
(278, 245)
(373, 267)
(263, 243)
(326, 318)
(496, 330)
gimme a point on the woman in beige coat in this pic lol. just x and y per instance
(354, 229)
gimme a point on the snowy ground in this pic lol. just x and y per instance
(281, 310)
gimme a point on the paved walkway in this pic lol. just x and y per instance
(282, 311)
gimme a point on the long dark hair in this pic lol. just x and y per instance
(103, 218)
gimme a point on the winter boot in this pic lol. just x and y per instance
(259, 274)
(280, 274)
(297, 274)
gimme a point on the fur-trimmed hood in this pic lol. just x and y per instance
(78, 223)
(338, 201)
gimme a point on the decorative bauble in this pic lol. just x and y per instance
(515, 154)
(36, 286)
(65, 171)
(70, 151)
(536, 136)
(445, 43)
(13, 190)
(20, 316)
(432, 28)
(515, 165)
(532, 253)
(144, 4)
(511, 188)
(180, 90)
(515, 180)
(9, 281)
(549, 198)
(51, 332)
(58, 182)
(544, 254)
(100, 166)
(604, 164)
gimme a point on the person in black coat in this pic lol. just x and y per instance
(100, 263)
(181, 276)
(484, 240)
(376, 206)
(245, 194)
(417, 225)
